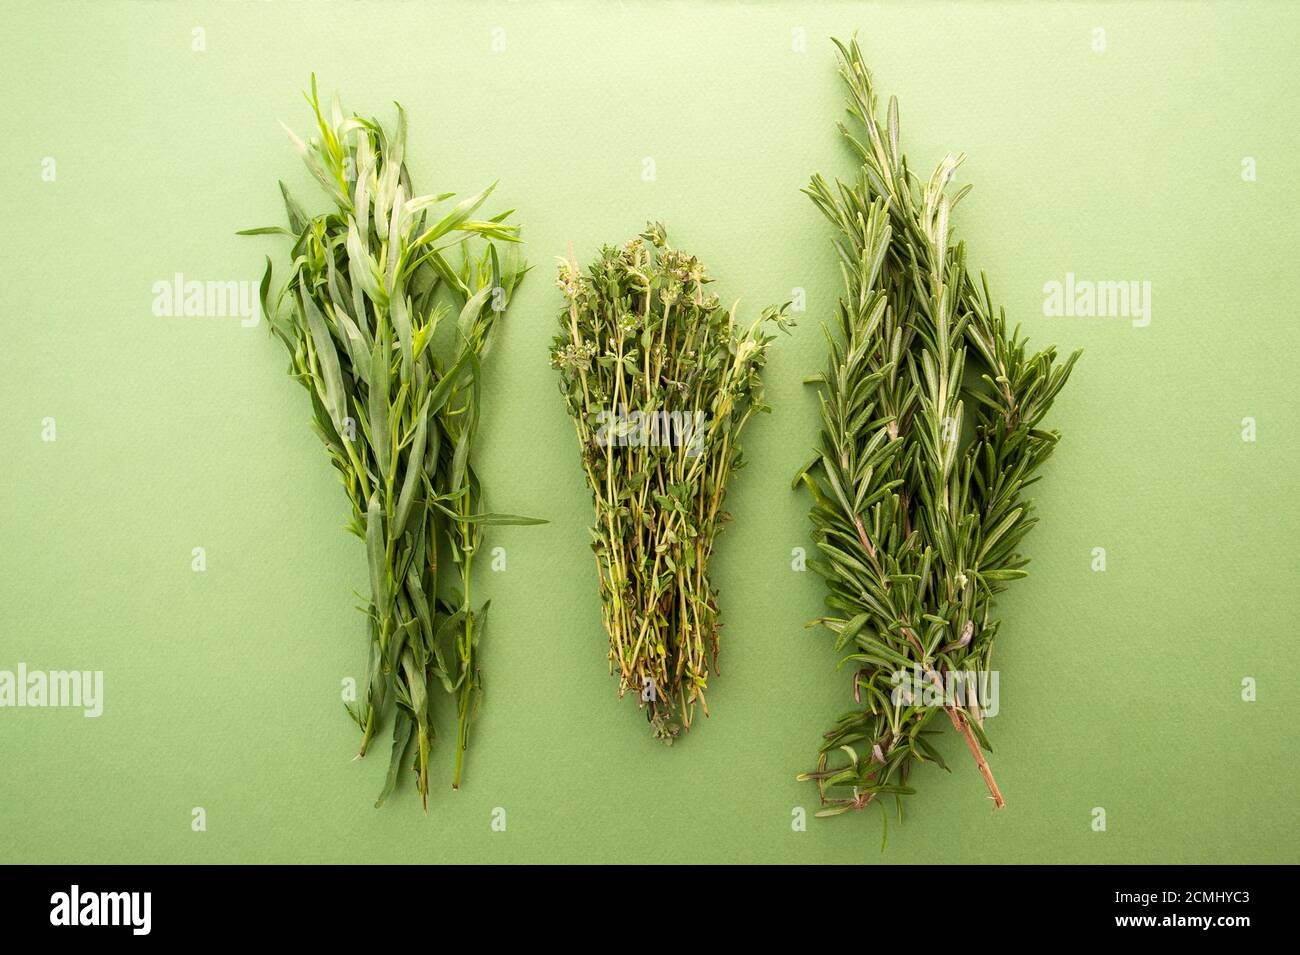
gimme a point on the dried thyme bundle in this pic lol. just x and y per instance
(369, 284)
(918, 491)
(660, 381)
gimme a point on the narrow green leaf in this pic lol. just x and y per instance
(414, 469)
(377, 556)
(378, 402)
(266, 230)
(334, 398)
(401, 741)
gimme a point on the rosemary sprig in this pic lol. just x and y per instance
(660, 381)
(918, 504)
(369, 284)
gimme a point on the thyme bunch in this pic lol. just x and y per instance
(930, 414)
(370, 282)
(660, 381)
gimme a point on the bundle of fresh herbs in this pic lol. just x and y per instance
(370, 282)
(660, 381)
(918, 489)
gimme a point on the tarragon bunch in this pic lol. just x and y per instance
(930, 435)
(660, 381)
(369, 284)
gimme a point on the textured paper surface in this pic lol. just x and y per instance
(1120, 689)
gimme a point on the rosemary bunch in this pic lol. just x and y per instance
(930, 415)
(660, 381)
(369, 285)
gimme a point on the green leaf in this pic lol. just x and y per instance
(851, 630)
(266, 230)
(378, 403)
(297, 218)
(377, 556)
(448, 383)
(453, 219)
(491, 519)
(460, 460)
(992, 537)
(401, 741)
(414, 470)
(334, 397)
(1004, 574)
(470, 313)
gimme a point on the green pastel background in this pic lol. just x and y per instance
(1119, 689)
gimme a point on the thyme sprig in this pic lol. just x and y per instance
(660, 381)
(918, 488)
(370, 282)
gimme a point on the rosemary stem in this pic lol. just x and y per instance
(962, 726)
